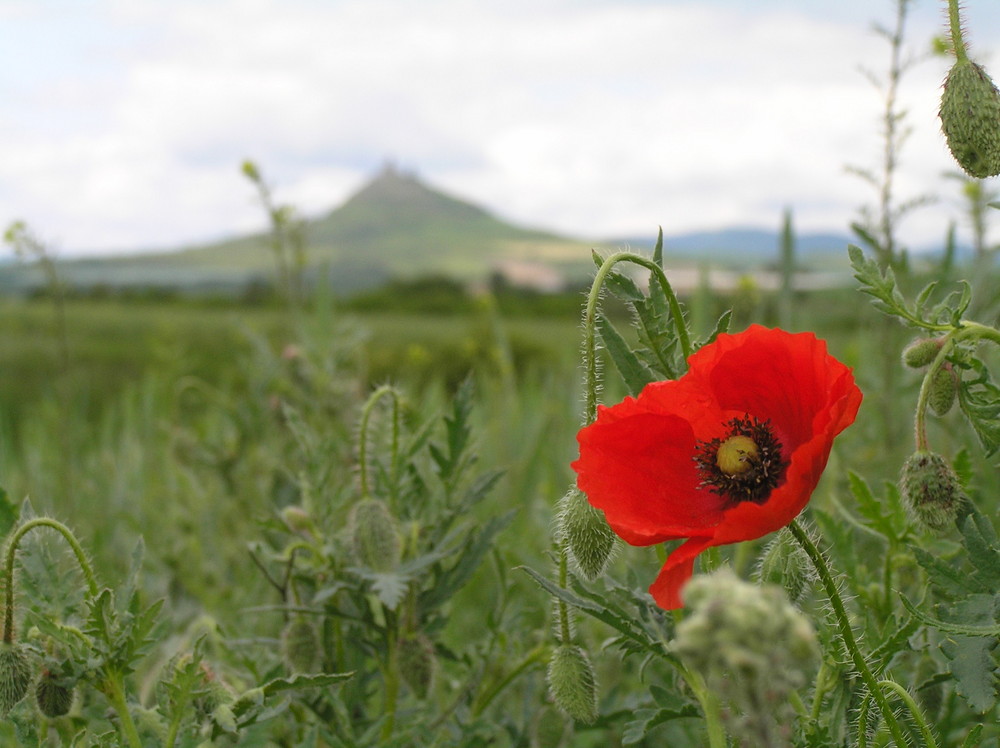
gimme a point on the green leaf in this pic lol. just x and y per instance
(972, 664)
(945, 575)
(633, 371)
(972, 739)
(318, 680)
(658, 249)
(951, 627)
(979, 399)
(646, 719)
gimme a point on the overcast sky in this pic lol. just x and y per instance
(123, 122)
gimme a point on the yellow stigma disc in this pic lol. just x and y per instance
(736, 455)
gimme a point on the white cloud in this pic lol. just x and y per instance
(595, 118)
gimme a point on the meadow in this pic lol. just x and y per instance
(228, 438)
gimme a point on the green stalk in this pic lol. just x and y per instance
(366, 415)
(8, 573)
(709, 706)
(846, 632)
(915, 710)
(116, 694)
(955, 24)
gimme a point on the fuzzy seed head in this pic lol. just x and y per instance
(754, 649)
(15, 675)
(417, 663)
(572, 683)
(931, 491)
(591, 541)
(374, 535)
(920, 353)
(53, 698)
(300, 645)
(970, 119)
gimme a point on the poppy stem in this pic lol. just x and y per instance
(590, 321)
(920, 418)
(955, 25)
(847, 633)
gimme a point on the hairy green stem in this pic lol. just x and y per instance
(709, 706)
(366, 415)
(955, 25)
(846, 632)
(915, 710)
(116, 694)
(590, 334)
(8, 573)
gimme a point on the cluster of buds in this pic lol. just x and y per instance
(53, 695)
(943, 384)
(753, 647)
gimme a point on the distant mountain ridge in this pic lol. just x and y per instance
(398, 226)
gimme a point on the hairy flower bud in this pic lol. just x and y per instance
(785, 564)
(53, 697)
(931, 490)
(572, 683)
(754, 649)
(374, 536)
(588, 536)
(300, 645)
(921, 352)
(970, 118)
(943, 388)
(15, 675)
(417, 663)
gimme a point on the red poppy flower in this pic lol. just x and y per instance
(731, 451)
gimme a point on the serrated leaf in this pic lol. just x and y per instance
(647, 719)
(317, 680)
(623, 287)
(945, 575)
(971, 662)
(954, 628)
(983, 553)
(979, 399)
(658, 249)
(633, 371)
(972, 739)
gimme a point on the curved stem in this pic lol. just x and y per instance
(590, 337)
(846, 632)
(915, 710)
(366, 414)
(8, 572)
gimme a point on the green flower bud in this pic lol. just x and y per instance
(300, 645)
(970, 118)
(930, 489)
(417, 663)
(920, 353)
(374, 536)
(298, 521)
(53, 697)
(572, 683)
(15, 675)
(943, 388)
(754, 649)
(588, 536)
(783, 563)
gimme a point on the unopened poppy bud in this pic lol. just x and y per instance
(943, 388)
(300, 645)
(588, 536)
(53, 697)
(374, 536)
(920, 353)
(572, 683)
(785, 564)
(417, 663)
(930, 489)
(15, 675)
(970, 118)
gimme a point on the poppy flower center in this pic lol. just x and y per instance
(744, 465)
